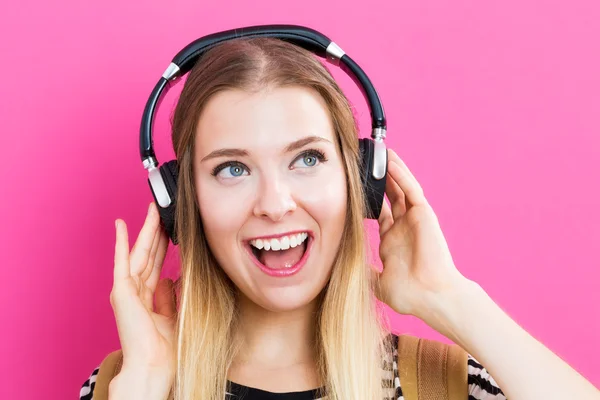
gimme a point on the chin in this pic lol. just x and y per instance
(284, 299)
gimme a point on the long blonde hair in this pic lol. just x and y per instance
(351, 334)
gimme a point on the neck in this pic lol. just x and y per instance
(276, 339)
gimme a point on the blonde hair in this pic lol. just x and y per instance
(351, 335)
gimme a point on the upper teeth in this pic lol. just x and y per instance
(282, 243)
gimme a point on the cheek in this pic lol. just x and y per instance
(222, 215)
(325, 197)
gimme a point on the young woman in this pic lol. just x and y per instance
(276, 300)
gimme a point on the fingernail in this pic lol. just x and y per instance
(116, 223)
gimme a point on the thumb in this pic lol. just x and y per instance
(165, 298)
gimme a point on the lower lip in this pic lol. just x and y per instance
(283, 271)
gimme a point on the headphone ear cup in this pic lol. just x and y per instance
(374, 189)
(169, 172)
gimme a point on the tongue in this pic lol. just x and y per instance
(282, 258)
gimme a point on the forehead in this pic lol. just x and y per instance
(269, 119)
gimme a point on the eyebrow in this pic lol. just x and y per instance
(298, 144)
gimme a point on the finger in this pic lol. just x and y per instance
(121, 270)
(141, 248)
(163, 244)
(408, 184)
(149, 265)
(396, 158)
(386, 219)
(165, 298)
(395, 194)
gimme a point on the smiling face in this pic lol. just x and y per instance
(272, 192)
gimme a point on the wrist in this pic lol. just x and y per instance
(133, 384)
(449, 311)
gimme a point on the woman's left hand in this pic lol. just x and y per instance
(418, 270)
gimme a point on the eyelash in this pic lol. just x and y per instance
(310, 152)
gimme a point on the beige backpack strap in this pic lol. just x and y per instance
(109, 368)
(457, 372)
(431, 370)
(407, 366)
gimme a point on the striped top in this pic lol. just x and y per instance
(481, 385)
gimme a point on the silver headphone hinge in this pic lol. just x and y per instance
(334, 53)
(171, 72)
(150, 162)
(378, 133)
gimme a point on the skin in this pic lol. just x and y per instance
(273, 194)
(419, 276)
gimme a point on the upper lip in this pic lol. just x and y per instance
(279, 235)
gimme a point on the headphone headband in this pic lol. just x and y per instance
(304, 37)
(163, 179)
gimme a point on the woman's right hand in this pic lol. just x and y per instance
(146, 334)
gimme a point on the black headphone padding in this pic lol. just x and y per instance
(374, 189)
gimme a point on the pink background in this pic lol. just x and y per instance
(493, 105)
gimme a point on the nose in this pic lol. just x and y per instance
(274, 199)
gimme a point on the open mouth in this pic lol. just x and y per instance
(283, 256)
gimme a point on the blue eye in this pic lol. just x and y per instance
(236, 170)
(309, 158)
(230, 169)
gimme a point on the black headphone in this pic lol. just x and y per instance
(163, 179)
